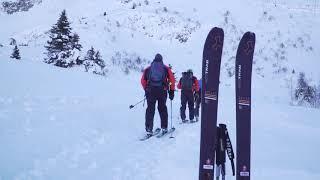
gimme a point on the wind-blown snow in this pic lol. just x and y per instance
(67, 124)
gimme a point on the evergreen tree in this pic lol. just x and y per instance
(310, 96)
(93, 62)
(317, 98)
(89, 59)
(101, 64)
(16, 53)
(301, 87)
(75, 42)
(305, 93)
(79, 61)
(62, 44)
(99, 61)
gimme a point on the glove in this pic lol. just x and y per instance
(171, 94)
(196, 95)
(146, 92)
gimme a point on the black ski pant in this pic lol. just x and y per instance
(197, 102)
(154, 94)
(187, 98)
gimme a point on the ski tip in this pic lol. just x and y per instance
(247, 37)
(216, 30)
(250, 34)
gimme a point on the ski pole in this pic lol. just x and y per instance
(171, 118)
(144, 101)
(132, 106)
(232, 166)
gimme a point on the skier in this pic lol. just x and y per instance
(188, 85)
(223, 144)
(156, 80)
(197, 100)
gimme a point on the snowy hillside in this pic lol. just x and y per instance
(60, 123)
(283, 34)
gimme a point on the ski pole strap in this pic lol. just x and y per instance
(230, 151)
(229, 147)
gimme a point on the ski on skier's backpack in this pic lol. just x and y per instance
(243, 71)
(211, 61)
(155, 133)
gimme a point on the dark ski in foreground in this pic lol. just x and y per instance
(243, 76)
(155, 133)
(211, 61)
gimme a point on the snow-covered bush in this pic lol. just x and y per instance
(94, 63)
(129, 62)
(306, 94)
(186, 32)
(11, 7)
(125, 1)
(16, 53)
(13, 42)
(318, 96)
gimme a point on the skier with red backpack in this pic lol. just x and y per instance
(188, 85)
(157, 80)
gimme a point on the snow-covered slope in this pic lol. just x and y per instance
(283, 35)
(57, 124)
(66, 124)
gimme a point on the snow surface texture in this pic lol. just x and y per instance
(67, 124)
